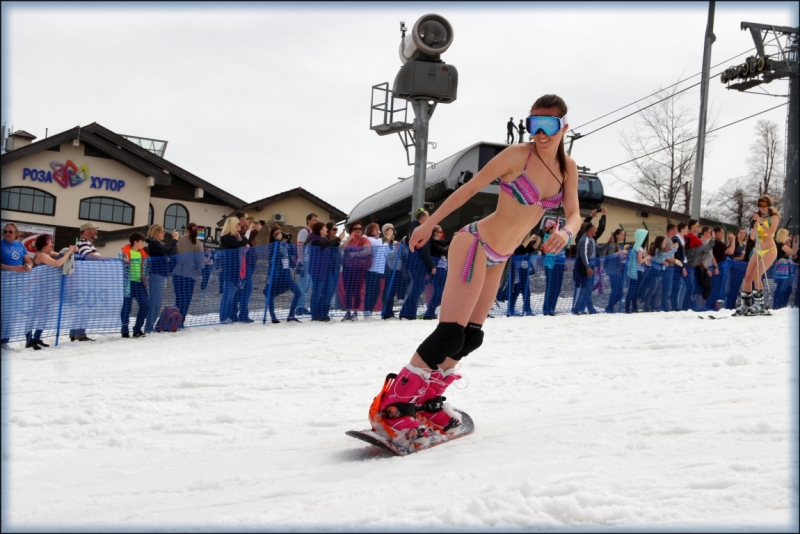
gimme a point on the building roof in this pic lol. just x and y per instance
(126, 153)
(23, 134)
(673, 215)
(404, 189)
(335, 212)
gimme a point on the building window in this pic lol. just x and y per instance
(150, 216)
(106, 209)
(176, 217)
(29, 200)
(217, 234)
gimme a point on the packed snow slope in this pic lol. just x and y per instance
(613, 422)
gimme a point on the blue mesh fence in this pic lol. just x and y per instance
(267, 283)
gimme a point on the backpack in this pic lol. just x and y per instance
(170, 320)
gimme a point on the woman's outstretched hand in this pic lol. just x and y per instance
(555, 243)
(420, 236)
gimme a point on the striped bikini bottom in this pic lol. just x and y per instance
(492, 258)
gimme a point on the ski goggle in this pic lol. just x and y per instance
(546, 123)
(762, 204)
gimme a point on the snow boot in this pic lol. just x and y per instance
(393, 412)
(757, 308)
(744, 304)
(432, 409)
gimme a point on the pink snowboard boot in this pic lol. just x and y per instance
(393, 411)
(439, 416)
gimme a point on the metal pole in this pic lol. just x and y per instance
(420, 153)
(701, 135)
(791, 191)
(60, 306)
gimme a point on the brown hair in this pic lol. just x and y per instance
(420, 214)
(352, 224)
(192, 229)
(554, 101)
(135, 236)
(371, 227)
(42, 241)
(658, 243)
(317, 228)
(768, 200)
(272, 233)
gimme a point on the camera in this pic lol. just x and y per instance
(262, 223)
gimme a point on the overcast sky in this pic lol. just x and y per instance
(261, 98)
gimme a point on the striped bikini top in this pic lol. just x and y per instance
(524, 191)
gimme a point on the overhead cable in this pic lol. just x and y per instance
(691, 138)
(662, 90)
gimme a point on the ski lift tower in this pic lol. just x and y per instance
(763, 68)
(425, 81)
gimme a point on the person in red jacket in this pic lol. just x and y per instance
(692, 238)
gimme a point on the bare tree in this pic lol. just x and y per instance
(662, 141)
(765, 162)
(735, 200)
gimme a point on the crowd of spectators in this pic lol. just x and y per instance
(687, 267)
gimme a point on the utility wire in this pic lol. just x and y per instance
(691, 138)
(642, 109)
(664, 89)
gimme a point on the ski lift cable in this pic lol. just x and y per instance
(664, 89)
(691, 138)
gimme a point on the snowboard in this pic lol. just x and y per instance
(373, 438)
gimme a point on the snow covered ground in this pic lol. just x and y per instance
(614, 422)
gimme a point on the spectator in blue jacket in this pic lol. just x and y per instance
(280, 274)
(638, 259)
(420, 265)
(14, 258)
(583, 272)
(613, 265)
(679, 275)
(439, 255)
(160, 269)
(554, 265)
(654, 277)
(522, 262)
(736, 270)
(319, 259)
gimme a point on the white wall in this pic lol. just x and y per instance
(134, 191)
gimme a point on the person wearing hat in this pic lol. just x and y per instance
(87, 251)
(85, 244)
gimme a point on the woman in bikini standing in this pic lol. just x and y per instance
(535, 177)
(765, 223)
